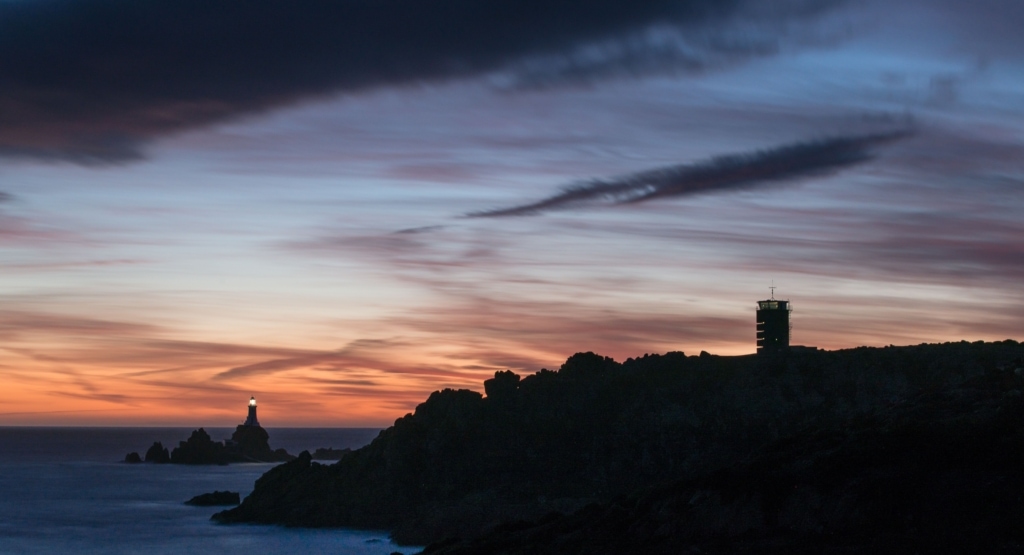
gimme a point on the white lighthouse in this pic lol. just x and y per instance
(251, 420)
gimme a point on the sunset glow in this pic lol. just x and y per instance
(341, 250)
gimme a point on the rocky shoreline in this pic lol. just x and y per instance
(939, 474)
(672, 452)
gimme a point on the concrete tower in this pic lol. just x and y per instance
(772, 326)
(251, 420)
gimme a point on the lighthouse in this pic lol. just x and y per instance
(251, 420)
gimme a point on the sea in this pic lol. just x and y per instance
(66, 490)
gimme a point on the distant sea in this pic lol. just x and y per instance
(64, 490)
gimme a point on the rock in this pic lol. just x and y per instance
(251, 441)
(281, 487)
(252, 444)
(199, 449)
(938, 474)
(595, 430)
(215, 498)
(502, 387)
(247, 444)
(157, 453)
(132, 458)
(330, 454)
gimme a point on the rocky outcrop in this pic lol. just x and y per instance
(157, 453)
(215, 498)
(247, 444)
(939, 473)
(252, 443)
(597, 430)
(132, 458)
(200, 449)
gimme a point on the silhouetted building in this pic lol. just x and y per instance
(772, 326)
(251, 420)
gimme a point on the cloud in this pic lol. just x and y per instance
(739, 171)
(760, 30)
(87, 362)
(423, 229)
(14, 323)
(6, 197)
(361, 353)
(987, 28)
(106, 397)
(923, 245)
(653, 52)
(92, 81)
(525, 334)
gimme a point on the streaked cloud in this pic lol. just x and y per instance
(723, 173)
(359, 353)
(14, 323)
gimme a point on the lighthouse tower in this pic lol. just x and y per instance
(251, 420)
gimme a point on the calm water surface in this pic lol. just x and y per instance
(63, 490)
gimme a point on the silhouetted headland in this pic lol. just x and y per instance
(856, 449)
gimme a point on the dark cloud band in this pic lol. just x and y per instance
(91, 80)
(723, 173)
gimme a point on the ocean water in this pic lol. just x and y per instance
(64, 490)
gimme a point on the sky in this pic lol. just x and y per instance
(342, 206)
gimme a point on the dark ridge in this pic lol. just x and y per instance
(940, 473)
(667, 451)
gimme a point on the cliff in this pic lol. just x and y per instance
(595, 430)
(940, 472)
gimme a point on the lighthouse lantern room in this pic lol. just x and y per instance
(251, 420)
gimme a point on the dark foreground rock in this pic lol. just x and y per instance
(132, 458)
(941, 473)
(215, 498)
(330, 454)
(791, 443)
